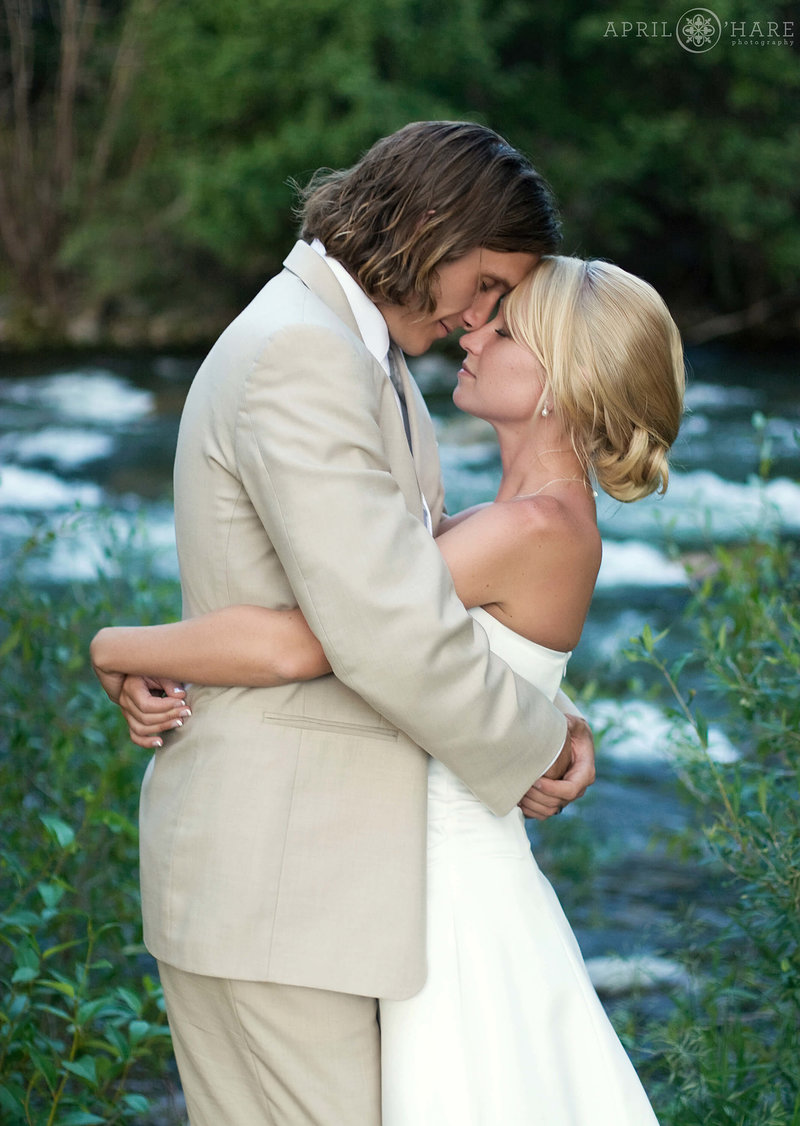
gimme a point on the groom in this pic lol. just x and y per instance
(283, 829)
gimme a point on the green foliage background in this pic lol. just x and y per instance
(683, 167)
(727, 1055)
(83, 1033)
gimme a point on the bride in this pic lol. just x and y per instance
(581, 376)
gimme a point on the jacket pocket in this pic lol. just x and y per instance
(365, 731)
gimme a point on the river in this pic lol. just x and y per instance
(99, 431)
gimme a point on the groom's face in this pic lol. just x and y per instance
(467, 292)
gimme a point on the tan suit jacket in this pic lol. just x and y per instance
(283, 829)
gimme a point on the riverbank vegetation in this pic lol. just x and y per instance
(146, 148)
(728, 1053)
(82, 1030)
(83, 1034)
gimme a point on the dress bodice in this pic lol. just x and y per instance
(541, 666)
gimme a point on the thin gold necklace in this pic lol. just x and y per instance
(553, 481)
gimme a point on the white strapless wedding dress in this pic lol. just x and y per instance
(508, 1030)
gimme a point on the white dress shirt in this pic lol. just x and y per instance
(373, 328)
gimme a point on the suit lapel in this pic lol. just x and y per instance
(310, 268)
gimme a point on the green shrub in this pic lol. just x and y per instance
(83, 1035)
(728, 1054)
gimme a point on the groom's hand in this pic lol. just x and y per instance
(549, 795)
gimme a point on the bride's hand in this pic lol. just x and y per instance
(110, 682)
(152, 705)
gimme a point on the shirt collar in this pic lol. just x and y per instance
(371, 325)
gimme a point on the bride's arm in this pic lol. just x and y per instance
(251, 646)
(141, 667)
(238, 645)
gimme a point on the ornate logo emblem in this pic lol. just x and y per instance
(698, 30)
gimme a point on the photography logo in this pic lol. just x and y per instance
(699, 30)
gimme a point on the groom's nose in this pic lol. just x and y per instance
(472, 341)
(479, 311)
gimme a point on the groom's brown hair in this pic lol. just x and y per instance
(428, 194)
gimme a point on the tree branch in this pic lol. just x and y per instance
(759, 313)
(19, 16)
(122, 75)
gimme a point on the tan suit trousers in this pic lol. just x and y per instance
(254, 1053)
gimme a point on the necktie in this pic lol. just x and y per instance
(397, 383)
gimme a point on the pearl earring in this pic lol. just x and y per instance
(545, 411)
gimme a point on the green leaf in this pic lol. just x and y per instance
(137, 1103)
(678, 665)
(51, 893)
(62, 1014)
(80, 1118)
(763, 791)
(51, 950)
(45, 1064)
(116, 822)
(59, 830)
(65, 987)
(101, 963)
(27, 954)
(11, 642)
(25, 974)
(89, 1010)
(137, 1030)
(702, 729)
(118, 1042)
(83, 1067)
(12, 1099)
(18, 1005)
(129, 998)
(21, 919)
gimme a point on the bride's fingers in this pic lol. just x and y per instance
(135, 700)
(148, 733)
(159, 720)
(150, 725)
(149, 696)
(150, 743)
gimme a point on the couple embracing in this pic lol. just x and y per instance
(336, 880)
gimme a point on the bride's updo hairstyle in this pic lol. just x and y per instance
(614, 364)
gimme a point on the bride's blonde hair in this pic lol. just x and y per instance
(614, 364)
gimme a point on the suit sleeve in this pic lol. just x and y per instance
(369, 578)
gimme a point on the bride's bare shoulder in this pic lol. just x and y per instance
(551, 518)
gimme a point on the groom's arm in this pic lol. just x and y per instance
(368, 577)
